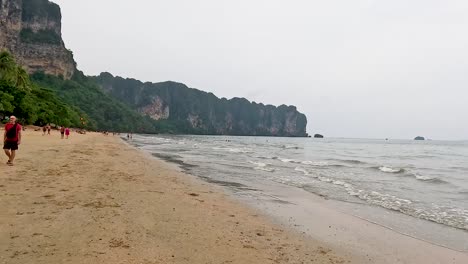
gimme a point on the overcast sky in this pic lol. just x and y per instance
(356, 68)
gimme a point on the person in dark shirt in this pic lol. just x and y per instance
(62, 132)
(11, 139)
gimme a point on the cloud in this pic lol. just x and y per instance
(356, 68)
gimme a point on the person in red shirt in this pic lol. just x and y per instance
(67, 132)
(11, 139)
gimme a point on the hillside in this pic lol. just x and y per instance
(31, 31)
(31, 103)
(194, 111)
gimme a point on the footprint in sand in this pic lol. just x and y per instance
(118, 242)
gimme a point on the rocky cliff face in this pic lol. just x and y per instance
(31, 31)
(196, 111)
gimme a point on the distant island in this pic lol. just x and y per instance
(318, 136)
(419, 138)
(31, 32)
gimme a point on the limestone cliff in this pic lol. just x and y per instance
(195, 111)
(31, 30)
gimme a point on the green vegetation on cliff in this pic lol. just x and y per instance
(43, 36)
(117, 104)
(113, 103)
(40, 9)
(189, 110)
(41, 99)
(104, 112)
(32, 104)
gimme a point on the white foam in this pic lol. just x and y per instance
(234, 150)
(265, 169)
(265, 157)
(324, 179)
(315, 163)
(339, 183)
(262, 166)
(389, 169)
(423, 178)
(259, 164)
(299, 169)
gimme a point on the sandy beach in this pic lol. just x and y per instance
(93, 199)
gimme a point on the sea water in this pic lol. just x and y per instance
(424, 184)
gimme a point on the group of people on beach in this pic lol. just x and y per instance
(64, 131)
(12, 137)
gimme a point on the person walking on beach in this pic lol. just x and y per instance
(48, 129)
(44, 129)
(11, 139)
(67, 132)
(62, 132)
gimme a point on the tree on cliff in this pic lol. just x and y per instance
(12, 73)
(30, 103)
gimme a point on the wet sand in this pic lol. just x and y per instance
(94, 199)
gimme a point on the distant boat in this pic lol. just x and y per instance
(419, 138)
(318, 136)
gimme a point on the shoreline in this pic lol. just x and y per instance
(382, 243)
(93, 199)
(99, 199)
(322, 220)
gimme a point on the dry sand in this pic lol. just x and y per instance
(93, 199)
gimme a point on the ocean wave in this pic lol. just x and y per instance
(315, 163)
(262, 166)
(306, 162)
(454, 217)
(423, 178)
(459, 168)
(290, 147)
(265, 169)
(234, 150)
(349, 161)
(303, 162)
(299, 169)
(405, 172)
(390, 169)
(289, 160)
(450, 216)
(266, 157)
(322, 178)
(429, 179)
